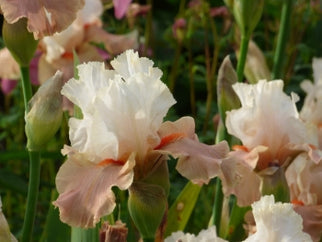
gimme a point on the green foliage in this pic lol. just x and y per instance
(190, 66)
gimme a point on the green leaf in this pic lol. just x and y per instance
(85, 235)
(13, 182)
(55, 230)
(181, 209)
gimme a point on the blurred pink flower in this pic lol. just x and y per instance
(179, 25)
(121, 7)
(219, 11)
(10, 74)
(8, 85)
(122, 138)
(45, 17)
(136, 9)
(57, 50)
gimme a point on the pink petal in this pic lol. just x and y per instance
(238, 178)
(197, 161)
(113, 43)
(85, 189)
(44, 17)
(8, 85)
(312, 220)
(120, 7)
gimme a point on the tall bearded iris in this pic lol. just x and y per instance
(272, 135)
(121, 137)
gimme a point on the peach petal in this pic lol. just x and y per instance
(44, 17)
(85, 189)
(197, 161)
(113, 43)
(238, 178)
(312, 220)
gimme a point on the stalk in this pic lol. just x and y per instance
(281, 40)
(242, 57)
(34, 169)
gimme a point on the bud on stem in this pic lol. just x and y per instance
(19, 41)
(45, 115)
(274, 182)
(147, 204)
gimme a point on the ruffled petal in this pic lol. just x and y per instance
(130, 102)
(82, 92)
(276, 222)
(84, 188)
(259, 102)
(44, 17)
(197, 161)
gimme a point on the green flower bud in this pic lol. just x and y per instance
(274, 182)
(147, 204)
(19, 41)
(159, 175)
(45, 115)
(227, 98)
(247, 14)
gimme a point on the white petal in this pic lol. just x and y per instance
(267, 116)
(92, 77)
(277, 222)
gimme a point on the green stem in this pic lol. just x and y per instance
(217, 208)
(191, 81)
(34, 177)
(26, 86)
(175, 67)
(242, 57)
(34, 169)
(235, 230)
(281, 40)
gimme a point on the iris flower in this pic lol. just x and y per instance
(272, 135)
(122, 137)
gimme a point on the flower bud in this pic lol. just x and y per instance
(19, 41)
(147, 204)
(227, 98)
(45, 115)
(256, 67)
(274, 182)
(247, 14)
